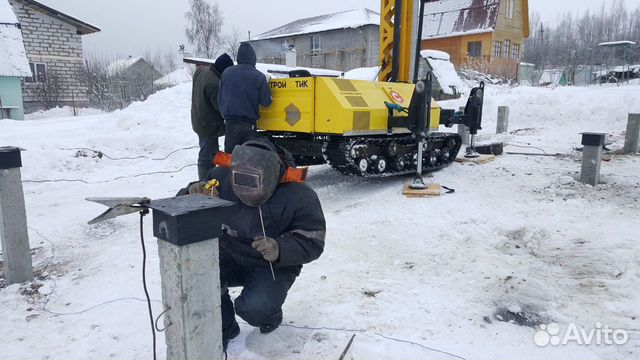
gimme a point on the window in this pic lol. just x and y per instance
(38, 73)
(507, 48)
(474, 49)
(497, 48)
(510, 8)
(516, 51)
(316, 44)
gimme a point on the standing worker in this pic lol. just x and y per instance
(243, 89)
(206, 119)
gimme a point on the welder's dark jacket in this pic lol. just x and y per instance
(293, 217)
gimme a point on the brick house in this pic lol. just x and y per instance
(53, 41)
(340, 41)
(484, 34)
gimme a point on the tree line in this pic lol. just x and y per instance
(575, 37)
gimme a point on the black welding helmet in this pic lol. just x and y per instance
(255, 171)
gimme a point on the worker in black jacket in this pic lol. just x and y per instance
(269, 194)
(243, 89)
(206, 119)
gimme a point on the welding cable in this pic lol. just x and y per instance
(144, 279)
(101, 154)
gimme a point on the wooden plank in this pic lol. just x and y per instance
(431, 191)
(483, 159)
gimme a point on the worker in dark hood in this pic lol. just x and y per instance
(275, 226)
(243, 89)
(206, 119)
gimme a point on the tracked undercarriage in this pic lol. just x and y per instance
(373, 156)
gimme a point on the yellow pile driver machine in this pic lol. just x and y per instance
(372, 128)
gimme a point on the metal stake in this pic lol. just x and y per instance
(264, 233)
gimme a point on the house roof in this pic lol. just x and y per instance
(339, 20)
(121, 65)
(448, 18)
(13, 61)
(84, 28)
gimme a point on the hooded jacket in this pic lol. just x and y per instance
(206, 119)
(243, 89)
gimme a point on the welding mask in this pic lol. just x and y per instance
(255, 174)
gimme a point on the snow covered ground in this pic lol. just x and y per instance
(409, 277)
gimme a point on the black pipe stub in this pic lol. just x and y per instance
(593, 138)
(10, 157)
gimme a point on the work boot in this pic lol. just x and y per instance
(265, 329)
(228, 334)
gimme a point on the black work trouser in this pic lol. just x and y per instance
(208, 148)
(237, 132)
(261, 299)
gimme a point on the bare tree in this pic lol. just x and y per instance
(232, 43)
(204, 27)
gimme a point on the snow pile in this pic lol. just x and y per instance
(368, 73)
(120, 65)
(341, 20)
(60, 112)
(13, 61)
(447, 18)
(435, 54)
(180, 76)
(520, 238)
(444, 71)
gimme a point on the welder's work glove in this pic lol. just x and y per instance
(268, 247)
(204, 188)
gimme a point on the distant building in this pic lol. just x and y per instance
(487, 35)
(553, 77)
(53, 41)
(13, 64)
(132, 79)
(341, 41)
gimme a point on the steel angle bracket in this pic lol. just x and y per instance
(118, 206)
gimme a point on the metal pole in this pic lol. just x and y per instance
(14, 236)
(591, 158)
(503, 120)
(188, 228)
(463, 130)
(633, 134)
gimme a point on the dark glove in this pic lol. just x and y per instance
(268, 247)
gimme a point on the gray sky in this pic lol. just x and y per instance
(131, 27)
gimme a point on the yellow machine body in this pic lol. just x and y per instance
(335, 106)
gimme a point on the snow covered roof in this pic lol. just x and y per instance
(448, 18)
(13, 61)
(83, 27)
(443, 70)
(180, 76)
(617, 43)
(339, 20)
(120, 65)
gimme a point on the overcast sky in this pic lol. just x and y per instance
(132, 27)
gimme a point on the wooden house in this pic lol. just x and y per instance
(487, 35)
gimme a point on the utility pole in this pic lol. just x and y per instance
(542, 50)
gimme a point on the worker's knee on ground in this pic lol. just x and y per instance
(257, 311)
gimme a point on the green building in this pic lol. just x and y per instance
(14, 65)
